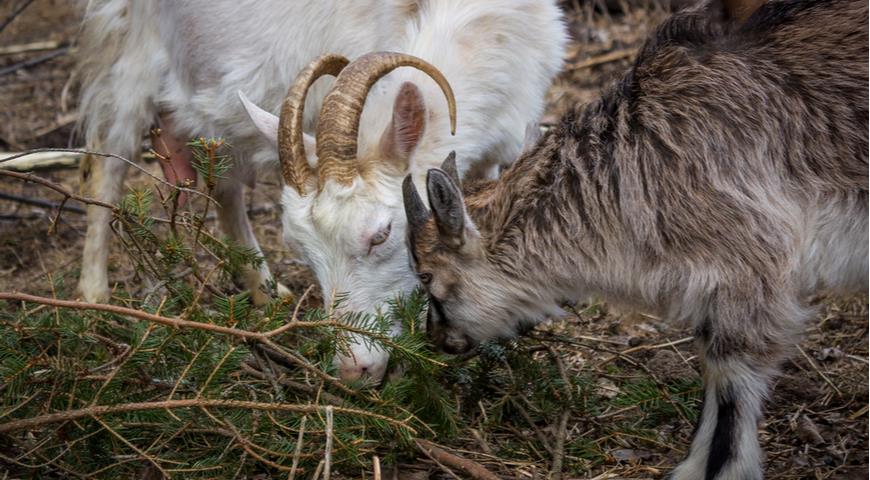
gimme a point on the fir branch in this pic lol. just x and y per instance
(384, 339)
(262, 338)
(98, 410)
(129, 312)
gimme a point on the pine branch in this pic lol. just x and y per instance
(262, 338)
(98, 410)
(129, 312)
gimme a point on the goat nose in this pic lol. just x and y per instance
(367, 371)
(354, 371)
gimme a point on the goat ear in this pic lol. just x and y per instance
(447, 208)
(265, 122)
(404, 132)
(449, 167)
(415, 209)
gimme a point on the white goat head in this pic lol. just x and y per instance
(343, 210)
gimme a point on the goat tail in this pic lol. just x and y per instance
(121, 61)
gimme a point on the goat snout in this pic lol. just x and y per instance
(453, 342)
(351, 371)
(448, 339)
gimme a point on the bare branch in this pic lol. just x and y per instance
(29, 177)
(98, 410)
(469, 467)
(133, 164)
(15, 14)
(171, 322)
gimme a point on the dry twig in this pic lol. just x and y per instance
(819, 371)
(298, 450)
(15, 13)
(29, 47)
(327, 454)
(562, 432)
(602, 59)
(33, 61)
(469, 467)
(42, 203)
(643, 347)
(67, 415)
(82, 151)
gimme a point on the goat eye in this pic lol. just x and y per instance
(425, 278)
(381, 236)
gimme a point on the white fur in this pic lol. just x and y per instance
(192, 58)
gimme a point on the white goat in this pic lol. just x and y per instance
(180, 65)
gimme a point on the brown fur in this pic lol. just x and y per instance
(721, 180)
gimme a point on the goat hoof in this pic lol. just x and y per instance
(282, 291)
(259, 297)
(262, 295)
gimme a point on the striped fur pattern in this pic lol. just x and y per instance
(718, 183)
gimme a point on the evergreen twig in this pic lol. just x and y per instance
(99, 410)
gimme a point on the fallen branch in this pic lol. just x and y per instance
(261, 338)
(297, 450)
(5, 161)
(642, 348)
(39, 160)
(33, 61)
(327, 453)
(41, 203)
(186, 403)
(562, 430)
(559, 449)
(469, 467)
(170, 322)
(29, 177)
(29, 47)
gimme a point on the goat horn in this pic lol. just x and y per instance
(338, 126)
(291, 146)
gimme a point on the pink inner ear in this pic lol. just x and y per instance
(408, 124)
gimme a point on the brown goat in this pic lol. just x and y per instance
(720, 182)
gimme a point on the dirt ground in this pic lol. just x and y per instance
(816, 424)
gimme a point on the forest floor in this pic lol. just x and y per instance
(643, 373)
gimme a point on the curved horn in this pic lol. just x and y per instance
(338, 126)
(291, 147)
